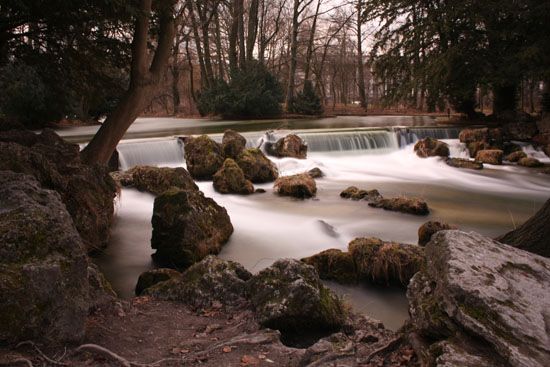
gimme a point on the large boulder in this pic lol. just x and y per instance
(402, 204)
(152, 277)
(481, 139)
(233, 144)
(334, 264)
(256, 166)
(102, 294)
(203, 157)
(464, 163)
(354, 193)
(157, 180)
(288, 296)
(86, 190)
(430, 147)
(489, 298)
(300, 186)
(290, 146)
(187, 227)
(382, 262)
(230, 179)
(209, 281)
(43, 265)
(490, 156)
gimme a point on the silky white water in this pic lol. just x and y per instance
(268, 227)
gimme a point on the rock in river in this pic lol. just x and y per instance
(300, 186)
(203, 157)
(157, 180)
(484, 300)
(187, 227)
(233, 144)
(464, 163)
(290, 146)
(43, 265)
(354, 193)
(152, 277)
(256, 166)
(230, 179)
(430, 147)
(402, 204)
(428, 229)
(289, 296)
(490, 156)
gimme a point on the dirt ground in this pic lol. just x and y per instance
(146, 332)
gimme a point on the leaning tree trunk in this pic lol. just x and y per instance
(533, 235)
(144, 81)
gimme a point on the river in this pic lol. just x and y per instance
(368, 152)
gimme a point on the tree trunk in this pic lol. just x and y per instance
(309, 53)
(360, 66)
(293, 55)
(219, 50)
(144, 81)
(198, 46)
(233, 35)
(242, 46)
(533, 235)
(252, 29)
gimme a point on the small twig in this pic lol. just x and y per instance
(44, 356)
(24, 361)
(386, 347)
(329, 358)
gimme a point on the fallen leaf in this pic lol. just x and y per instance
(226, 349)
(247, 360)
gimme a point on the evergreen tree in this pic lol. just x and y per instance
(306, 102)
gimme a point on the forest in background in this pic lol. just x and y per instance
(73, 59)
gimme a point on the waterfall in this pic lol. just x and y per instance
(169, 151)
(156, 152)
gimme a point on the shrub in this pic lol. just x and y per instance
(252, 92)
(306, 102)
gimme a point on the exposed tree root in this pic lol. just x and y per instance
(42, 355)
(106, 353)
(388, 347)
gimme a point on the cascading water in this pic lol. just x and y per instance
(268, 227)
(165, 152)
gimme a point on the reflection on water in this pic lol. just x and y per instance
(158, 127)
(267, 227)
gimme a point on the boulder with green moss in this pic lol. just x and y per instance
(157, 180)
(383, 262)
(230, 179)
(530, 162)
(256, 166)
(203, 157)
(43, 265)
(288, 296)
(86, 190)
(207, 282)
(490, 156)
(300, 186)
(152, 277)
(334, 264)
(516, 156)
(233, 144)
(187, 226)
(487, 298)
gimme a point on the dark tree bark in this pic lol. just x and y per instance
(196, 35)
(360, 66)
(309, 52)
(533, 235)
(233, 36)
(242, 45)
(145, 79)
(252, 28)
(219, 50)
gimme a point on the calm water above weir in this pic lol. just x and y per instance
(267, 227)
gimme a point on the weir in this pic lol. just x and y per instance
(169, 151)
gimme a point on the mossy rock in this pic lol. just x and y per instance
(516, 156)
(230, 179)
(300, 186)
(430, 147)
(256, 166)
(354, 193)
(187, 226)
(334, 264)
(530, 162)
(288, 296)
(208, 281)
(464, 163)
(402, 204)
(233, 144)
(157, 180)
(428, 229)
(386, 263)
(203, 157)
